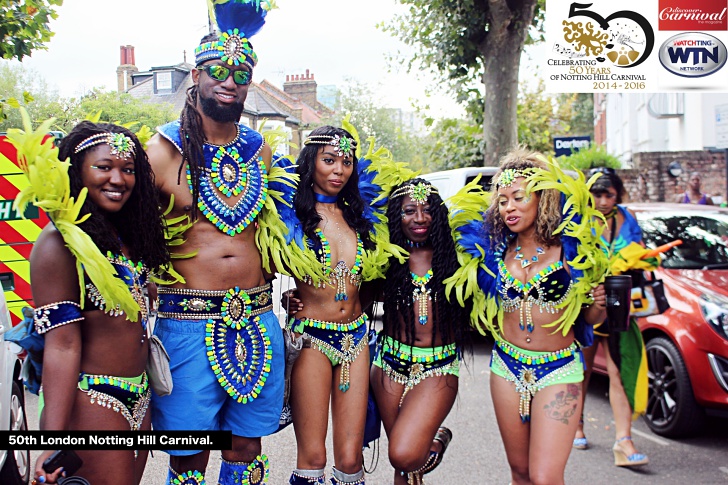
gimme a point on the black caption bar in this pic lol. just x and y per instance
(116, 440)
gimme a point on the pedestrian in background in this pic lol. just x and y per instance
(692, 194)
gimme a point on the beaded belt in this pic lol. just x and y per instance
(234, 305)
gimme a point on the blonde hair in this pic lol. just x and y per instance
(548, 215)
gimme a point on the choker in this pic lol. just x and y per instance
(326, 199)
(611, 214)
(412, 244)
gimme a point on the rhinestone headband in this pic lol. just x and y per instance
(231, 48)
(344, 146)
(418, 193)
(509, 175)
(121, 145)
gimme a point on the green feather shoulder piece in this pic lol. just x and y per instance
(49, 189)
(580, 236)
(272, 236)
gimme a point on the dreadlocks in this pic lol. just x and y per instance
(139, 223)
(349, 201)
(450, 319)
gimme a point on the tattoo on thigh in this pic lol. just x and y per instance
(564, 405)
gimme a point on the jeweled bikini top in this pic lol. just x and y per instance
(136, 277)
(547, 289)
(230, 170)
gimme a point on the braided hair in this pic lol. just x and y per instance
(349, 200)
(139, 223)
(451, 320)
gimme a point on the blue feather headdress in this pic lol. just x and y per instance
(237, 21)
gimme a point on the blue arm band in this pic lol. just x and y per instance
(48, 317)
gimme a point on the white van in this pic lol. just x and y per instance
(14, 464)
(448, 182)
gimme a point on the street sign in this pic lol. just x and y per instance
(564, 145)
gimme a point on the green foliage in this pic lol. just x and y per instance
(454, 144)
(594, 156)
(122, 108)
(371, 120)
(24, 26)
(537, 120)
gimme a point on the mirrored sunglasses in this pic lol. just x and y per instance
(221, 73)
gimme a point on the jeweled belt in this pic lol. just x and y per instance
(234, 306)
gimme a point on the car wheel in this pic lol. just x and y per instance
(671, 407)
(16, 470)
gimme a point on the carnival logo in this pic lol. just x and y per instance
(693, 15)
(692, 54)
(624, 38)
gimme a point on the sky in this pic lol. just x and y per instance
(336, 40)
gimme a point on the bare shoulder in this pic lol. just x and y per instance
(53, 269)
(162, 153)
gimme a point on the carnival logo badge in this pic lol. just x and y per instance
(693, 15)
(692, 54)
(622, 39)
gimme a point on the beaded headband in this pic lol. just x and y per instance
(418, 193)
(344, 146)
(237, 21)
(509, 175)
(121, 145)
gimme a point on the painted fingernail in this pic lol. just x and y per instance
(41, 479)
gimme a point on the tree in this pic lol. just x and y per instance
(123, 108)
(373, 120)
(454, 144)
(594, 156)
(474, 39)
(24, 26)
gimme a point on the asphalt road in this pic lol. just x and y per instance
(476, 454)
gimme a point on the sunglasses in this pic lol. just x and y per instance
(221, 73)
(604, 170)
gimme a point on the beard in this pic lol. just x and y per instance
(221, 113)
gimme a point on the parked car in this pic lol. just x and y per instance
(687, 346)
(14, 464)
(448, 182)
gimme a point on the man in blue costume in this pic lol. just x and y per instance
(225, 344)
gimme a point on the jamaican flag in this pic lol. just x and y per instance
(627, 350)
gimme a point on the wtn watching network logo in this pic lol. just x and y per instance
(692, 54)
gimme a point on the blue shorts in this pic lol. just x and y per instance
(199, 401)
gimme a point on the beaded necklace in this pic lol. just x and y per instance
(412, 244)
(340, 273)
(135, 277)
(421, 294)
(227, 174)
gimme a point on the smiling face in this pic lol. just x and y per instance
(517, 209)
(109, 179)
(416, 220)
(222, 101)
(332, 171)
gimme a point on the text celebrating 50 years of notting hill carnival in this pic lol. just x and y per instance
(636, 46)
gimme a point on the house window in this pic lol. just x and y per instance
(164, 81)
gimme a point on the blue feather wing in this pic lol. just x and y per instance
(285, 209)
(246, 16)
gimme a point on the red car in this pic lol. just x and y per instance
(687, 346)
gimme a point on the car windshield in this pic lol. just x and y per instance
(704, 236)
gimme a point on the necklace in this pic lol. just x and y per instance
(413, 244)
(526, 262)
(421, 294)
(612, 213)
(326, 199)
(340, 273)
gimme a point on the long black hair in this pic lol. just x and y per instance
(349, 200)
(451, 320)
(139, 223)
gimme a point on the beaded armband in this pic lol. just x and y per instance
(48, 317)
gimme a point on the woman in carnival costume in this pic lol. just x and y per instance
(416, 367)
(90, 272)
(333, 216)
(538, 265)
(624, 351)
